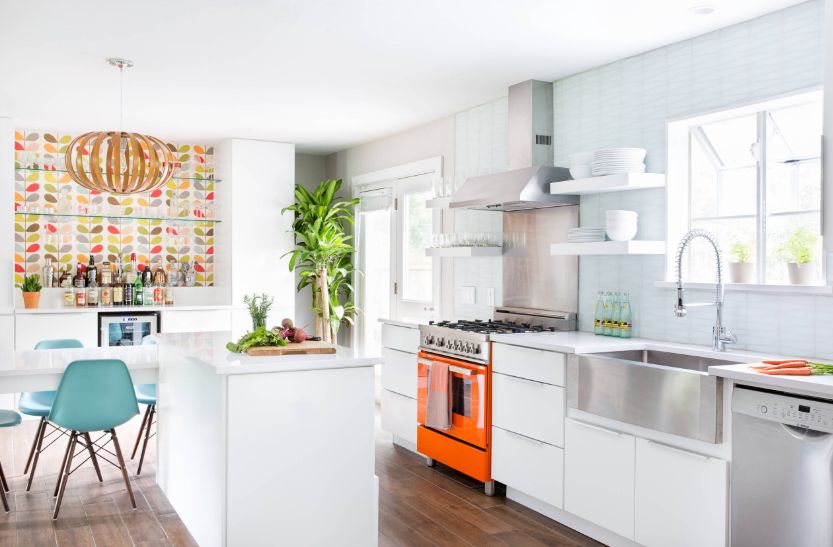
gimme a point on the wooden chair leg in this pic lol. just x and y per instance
(5, 501)
(152, 409)
(141, 430)
(3, 479)
(41, 425)
(123, 467)
(70, 446)
(65, 475)
(41, 433)
(92, 456)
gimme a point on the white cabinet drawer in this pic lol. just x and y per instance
(535, 364)
(530, 466)
(32, 328)
(528, 407)
(681, 497)
(195, 320)
(400, 338)
(399, 372)
(399, 415)
(599, 476)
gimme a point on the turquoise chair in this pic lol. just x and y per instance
(94, 395)
(8, 418)
(146, 395)
(39, 403)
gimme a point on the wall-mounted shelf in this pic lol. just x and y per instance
(464, 251)
(45, 170)
(608, 183)
(437, 203)
(633, 247)
(172, 220)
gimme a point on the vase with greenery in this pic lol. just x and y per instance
(741, 267)
(324, 254)
(31, 288)
(259, 306)
(799, 252)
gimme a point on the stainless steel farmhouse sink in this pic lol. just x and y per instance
(664, 391)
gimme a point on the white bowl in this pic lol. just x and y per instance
(580, 171)
(620, 224)
(581, 158)
(620, 213)
(621, 234)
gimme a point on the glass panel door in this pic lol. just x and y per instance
(416, 280)
(375, 227)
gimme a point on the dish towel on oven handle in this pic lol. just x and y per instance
(438, 403)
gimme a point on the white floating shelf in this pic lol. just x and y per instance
(437, 203)
(464, 251)
(608, 183)
(633, 247)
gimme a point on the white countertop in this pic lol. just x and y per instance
(209, 348)
(51, 361)
(407, 323)
(118, 309)
(819, 386)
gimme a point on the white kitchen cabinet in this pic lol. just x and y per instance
(399, 416)
(528, 407)
(400, 338)
(599, 476)
(195, 320)
(528, 465)
(534, 364)
(31, 328)
(681, 497)
(399, 372)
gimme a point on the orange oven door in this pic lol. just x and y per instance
(469, 391)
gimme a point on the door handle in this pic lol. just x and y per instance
(525, 380)
(679, 450)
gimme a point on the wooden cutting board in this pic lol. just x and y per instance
(301, 348)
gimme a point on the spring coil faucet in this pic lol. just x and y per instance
(720, 335)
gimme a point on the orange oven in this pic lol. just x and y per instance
(465, 445)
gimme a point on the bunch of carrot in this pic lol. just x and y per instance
(793, 367)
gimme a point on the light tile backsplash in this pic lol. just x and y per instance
(628, 103)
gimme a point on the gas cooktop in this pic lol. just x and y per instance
(491, 326)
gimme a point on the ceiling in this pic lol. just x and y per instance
(325, 74)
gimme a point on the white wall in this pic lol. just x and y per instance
(7, 291)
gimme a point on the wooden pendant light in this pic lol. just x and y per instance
(119, 162)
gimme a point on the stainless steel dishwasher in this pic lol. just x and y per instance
(782, 470)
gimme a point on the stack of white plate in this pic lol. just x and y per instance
(585, 235)
(580, 165)
(621, 225)
(612, 161)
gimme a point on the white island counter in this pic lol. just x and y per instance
(267, 450)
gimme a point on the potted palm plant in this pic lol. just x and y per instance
(741, 268)
(31, 287)
(324, 254)
(799, 252)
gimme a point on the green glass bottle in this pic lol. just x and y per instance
(138, 289)
(626, 318)
(598, 320)
(617, 314)
(608, 320)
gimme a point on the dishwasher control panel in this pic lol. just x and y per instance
(785, 409)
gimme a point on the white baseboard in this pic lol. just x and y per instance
(571, 521)
(399, 441)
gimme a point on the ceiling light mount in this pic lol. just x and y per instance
(120, 62)
(702, 9)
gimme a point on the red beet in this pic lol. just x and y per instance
(299, 336)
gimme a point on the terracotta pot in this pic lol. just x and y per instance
(31, 299)
(802, 274)
(741, 272)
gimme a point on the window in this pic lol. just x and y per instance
(752, 176)
(417, 229)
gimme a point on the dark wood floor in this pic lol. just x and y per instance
(418, 506)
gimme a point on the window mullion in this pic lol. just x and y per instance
(760, 224)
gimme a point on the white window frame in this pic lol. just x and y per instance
(678, 192)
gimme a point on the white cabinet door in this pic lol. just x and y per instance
(195, 320)
(528, 407)
(399, 415)
(32, 328)
(535, 364)
(528, 465)
(681, 497)
(399, 372)
(599, 476)
(400, 338)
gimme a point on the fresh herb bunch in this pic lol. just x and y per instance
(31, 283)
(259, 306)
(260, 337)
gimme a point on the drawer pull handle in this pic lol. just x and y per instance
(679, 450)
(451, 368)
(597, 428)
(524, 437)
(526, 380)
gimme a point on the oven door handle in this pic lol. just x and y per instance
(451, 368)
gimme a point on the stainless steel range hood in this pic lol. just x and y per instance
(526, 185)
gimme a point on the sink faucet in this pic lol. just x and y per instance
(720, 335)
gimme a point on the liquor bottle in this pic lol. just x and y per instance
(169, 292)
(134, 266)
(159, 280)
(118, 288)
(138, 291)
(80, 297)
(48, 273)
(598, 319)
(127, 285)
(105, 292)
(617, 314)
(147, 276)
(80, 282)
(147, 283)
(608, 327)
(92, 291)
(69, 293)
(626, 320)
(92, 270)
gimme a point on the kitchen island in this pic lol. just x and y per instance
(267, 450)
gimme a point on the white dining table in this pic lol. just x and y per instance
(39, 370)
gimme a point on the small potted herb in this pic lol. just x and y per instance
(31, 290)
(741, 268)
(799, 252)
(259, 306)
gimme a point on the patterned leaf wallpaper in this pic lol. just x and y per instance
(57, 218)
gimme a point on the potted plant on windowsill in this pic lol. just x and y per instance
(741, 269)
(799, 253)
(31, 291)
